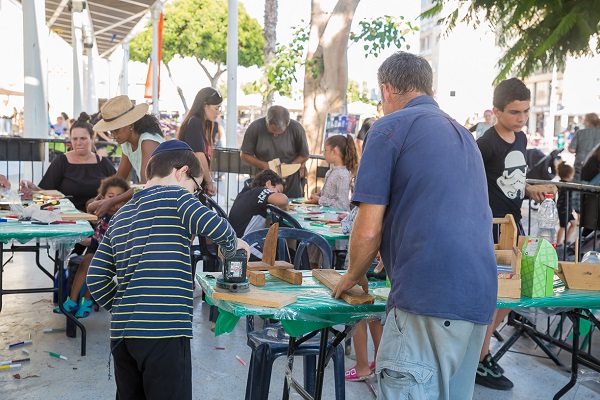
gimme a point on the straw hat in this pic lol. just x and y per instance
(119, 112)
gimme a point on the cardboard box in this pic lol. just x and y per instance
(538, 262)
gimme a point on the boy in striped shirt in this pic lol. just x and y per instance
(147, 248)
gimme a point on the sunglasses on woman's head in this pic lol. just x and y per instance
(216, 92)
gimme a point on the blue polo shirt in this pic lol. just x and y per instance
(437, 243)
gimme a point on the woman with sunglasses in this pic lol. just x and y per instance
(198, 130)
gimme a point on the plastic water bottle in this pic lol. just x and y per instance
(548, 219)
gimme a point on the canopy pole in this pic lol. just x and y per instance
(76, 43)
(232, 64)
(155, 61)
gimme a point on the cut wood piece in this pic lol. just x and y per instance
(257, 278)
(289, 169)
(289, 275)
(270, 245)
(261, 266)
(78, 216)
(52, 193)
(258, 297)
(330, 278)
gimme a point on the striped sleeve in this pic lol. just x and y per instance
(202, 221)
(101, 273)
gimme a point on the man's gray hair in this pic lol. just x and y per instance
(279, 116)
(406, 72)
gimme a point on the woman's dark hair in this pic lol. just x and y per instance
(65, 116)
(206, 96)
(162, 164)
(347, 150)
(261, 179)
(148, 123)
(84, 122)
(112, 181)
(564, 170)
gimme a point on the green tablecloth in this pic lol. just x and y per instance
(301, 212)
(315, 308)
(63, 233)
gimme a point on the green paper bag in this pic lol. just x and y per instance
(538, 262)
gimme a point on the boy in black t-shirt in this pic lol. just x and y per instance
(249, 210)
(503, 150)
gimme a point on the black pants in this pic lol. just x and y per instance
(496, 231)
(153, 369)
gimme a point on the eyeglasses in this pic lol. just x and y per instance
(198, 190)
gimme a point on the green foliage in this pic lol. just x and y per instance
(377, 34)
(198, 28)
(382, 33)
(536, 34)
(356, 93)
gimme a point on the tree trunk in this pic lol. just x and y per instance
(326, 75)
(179, 91)
(214, 79)
(270, 35)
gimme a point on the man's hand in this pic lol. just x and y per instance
(348, 282)
(535, 193)
(210, 188)
(4, 182)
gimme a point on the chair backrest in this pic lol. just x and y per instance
(278, 215)
(247, 182)
(303, 238)
(213, 205)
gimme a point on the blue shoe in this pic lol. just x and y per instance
(85, 308)
(69, 306)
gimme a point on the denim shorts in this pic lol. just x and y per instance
(422, 357)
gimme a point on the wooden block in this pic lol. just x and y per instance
(582, 276)
(270, 245)
(256, 278)
(289, 275)
(78, 216)
(508, 232)
(510, 288)
(258, 297)
(261, 266)
(330, 278)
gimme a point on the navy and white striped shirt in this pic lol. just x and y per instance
(147, 247)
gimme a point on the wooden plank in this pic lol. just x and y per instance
(582, 276)
(261, 266)
(330, 278)
(270, 245)
(78, 216)
(258, 297)
(289, 275)
(256, 278)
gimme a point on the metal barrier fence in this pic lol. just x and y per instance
(22, 158)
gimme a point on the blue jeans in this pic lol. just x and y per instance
(423, 357)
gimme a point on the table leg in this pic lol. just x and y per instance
(61, 259)
(1, 272)
(321, 363)
(574, 317)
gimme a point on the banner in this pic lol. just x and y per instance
(148, 86)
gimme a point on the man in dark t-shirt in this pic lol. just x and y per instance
(503, 151)
(249, 210)
(276, 136)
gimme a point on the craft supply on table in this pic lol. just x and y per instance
(10, 366)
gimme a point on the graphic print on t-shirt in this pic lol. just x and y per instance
(512, 181)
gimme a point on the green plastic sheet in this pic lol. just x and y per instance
(68, 234)
(315, 308)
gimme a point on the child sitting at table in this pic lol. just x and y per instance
(340, 151)
(80, 299)
(566, 173)
(249, 210)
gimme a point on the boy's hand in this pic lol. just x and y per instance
(314, 199)
(535, 193)
(210, 188)
(243, 245)
(379, 267)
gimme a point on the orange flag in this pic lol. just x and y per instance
(148, 86)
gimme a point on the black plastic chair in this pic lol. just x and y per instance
(271, 341)
(284, 218)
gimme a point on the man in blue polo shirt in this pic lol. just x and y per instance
(422, 192)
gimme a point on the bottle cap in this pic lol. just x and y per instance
(549, 196)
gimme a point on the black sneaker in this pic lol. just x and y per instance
(490, 374)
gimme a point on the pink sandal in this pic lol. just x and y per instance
(352, 376)
(372, 365)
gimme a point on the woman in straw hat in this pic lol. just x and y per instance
(199, 128)
(137, 132)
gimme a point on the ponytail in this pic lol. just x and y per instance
(347, 151)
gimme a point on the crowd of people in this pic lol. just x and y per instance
(416, 210)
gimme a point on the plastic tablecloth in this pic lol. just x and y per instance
(55, 233)
(562, 297)
(315, 308)
(301, 211)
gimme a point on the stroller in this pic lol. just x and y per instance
(541, 166)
